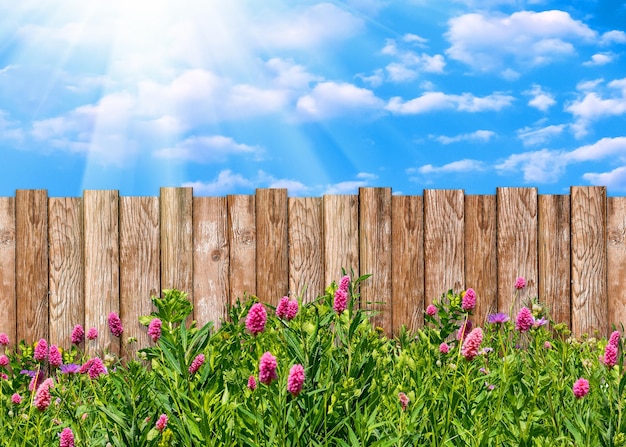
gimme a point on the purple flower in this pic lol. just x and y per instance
(472, 342)
(70, 368)
(4, 339)
(524, 320)
(431, 310)
(267, 368)
(251, 383)
(16, 399)
(469, 300)
(92, 333)
(580, 388)
(154, 329)
(78, 334)
(295, 381)
(404, 400)
(256, 319)
(115, 325)
(66, 438)
(196, 364)
(465, 328)
(341, 301)
(54, 357)
(444, 348)
(498, 318)
(161, 423)
(520, 283)
(538, 322)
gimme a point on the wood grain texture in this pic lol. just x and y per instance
(517, 247)
(340, 225)
(616, 261)
(375, 249)
(140, 274)
(211, 259)
(481, 269)
(589, 269)
(242, 243)
(31, 258)
(444, 250)
(8, 311)
(67, 300)
(102, 270)
(272, 266)
(554, 256)
(306, 273)
(177, 239)
(407, 262)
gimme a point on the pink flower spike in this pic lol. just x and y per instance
(520, 283)
(472, 342)
(295, 380)
(4, 339)
(281, 309)
(524, 320)
(41, 350)
(431, 310)
(16, 399)
(256, 319)
(465, 329)
(267, 368)
(161, 423)
(469, 300)
(292, 309)
(92, 333)
(66, 439)
(115, 324)
(610, 355)
(404, 400)
(154, 329)
(251, 383)
(615, 338)
(4, 360)
(580, 388)
(444, 348)
(196, 364)
(344, 284)
(78, 334)
(54, 357)
(341, 301)
(42, 396)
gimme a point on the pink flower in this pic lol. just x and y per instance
(610, 355)
(524, 320)
(287, 309)
(4, 339)
(404, 400)
(520, 283)
(115, 324)
(341, 300)
(196, 364)
(267, 368)
(3, 376)
(251, 383)
(41, 350)
(295, 379)
(469, 300)
(444, 348)
(256, 319)
(547, 345)
(615, 338)
(581, 388)
(154, 329)
(4, 360)
(54, 358)
(465, 328)
(78, 334)
(431, 310)
(42, 396)
(16, 399)
(92, 333)
(37, 378)
(292, 309)
(161, 423)
(94, 368)
(66, 438)
(472, 342)
(344, 284)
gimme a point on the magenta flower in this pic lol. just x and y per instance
(42, 396)
(115, 325)
(16, 399)
(498, 318)
(4, 339)
(287, 309)
(196, 364)
(251, 383)
(66, 439)
(524, 320)
(54, 357)
(94, 368)
(92, 333)
(469, 300)
(341, 301)
(37, 378)
(344, 284)
(610, 355)
(161, 423)
(404, 400)
(520, 283)
(256, 319)
(615, 338)
(444, 348)
(292, 309)
(154, 329)
(465, 328)
(580, 388)
(4, 360)
(295, 381)
(431, 310)
(472, 342)
(41, 350)
(267, 368)
(78, 334)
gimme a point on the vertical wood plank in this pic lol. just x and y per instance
(272, 267)
(554, 256)
(375, 251)
(102, 272)
(242, 243)
(31, 221)
(481, 270)
(340, 220)
(444, 253)
(407, 254)
(589, 291)
(177, 239)
(517, 246)
(616, 261)
(305, 247)
(8, 311)
(140, 273)
(211, 259)
(67, 303)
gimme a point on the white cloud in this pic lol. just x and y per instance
(614, 180)
(465, 165)
(603, 148)
(541, 99)
(481, 136)
(536, 136)
(347, 187)
(409, 64)
(433, 101)
(226, 182)
(490, 42)
(415, 39)
(290, 75)
(7, 68)
(374, 80)
(613, 36)
(9, 129)
(600, 59)
(206, 149)
(332, 99)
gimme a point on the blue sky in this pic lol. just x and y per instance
(318, 97)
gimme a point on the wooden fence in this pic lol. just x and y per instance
(66, 261)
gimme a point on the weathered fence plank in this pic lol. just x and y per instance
(102, 270)
(272, 266)
(210, 259)
(242, 242)
(306, 272)
(8, 311)
(340, 214)
(407, 262)
(31, 256)
(554, 256)
(616, 261)
(444, 251)
(481, 267)
(65, 234)
(140, 273)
